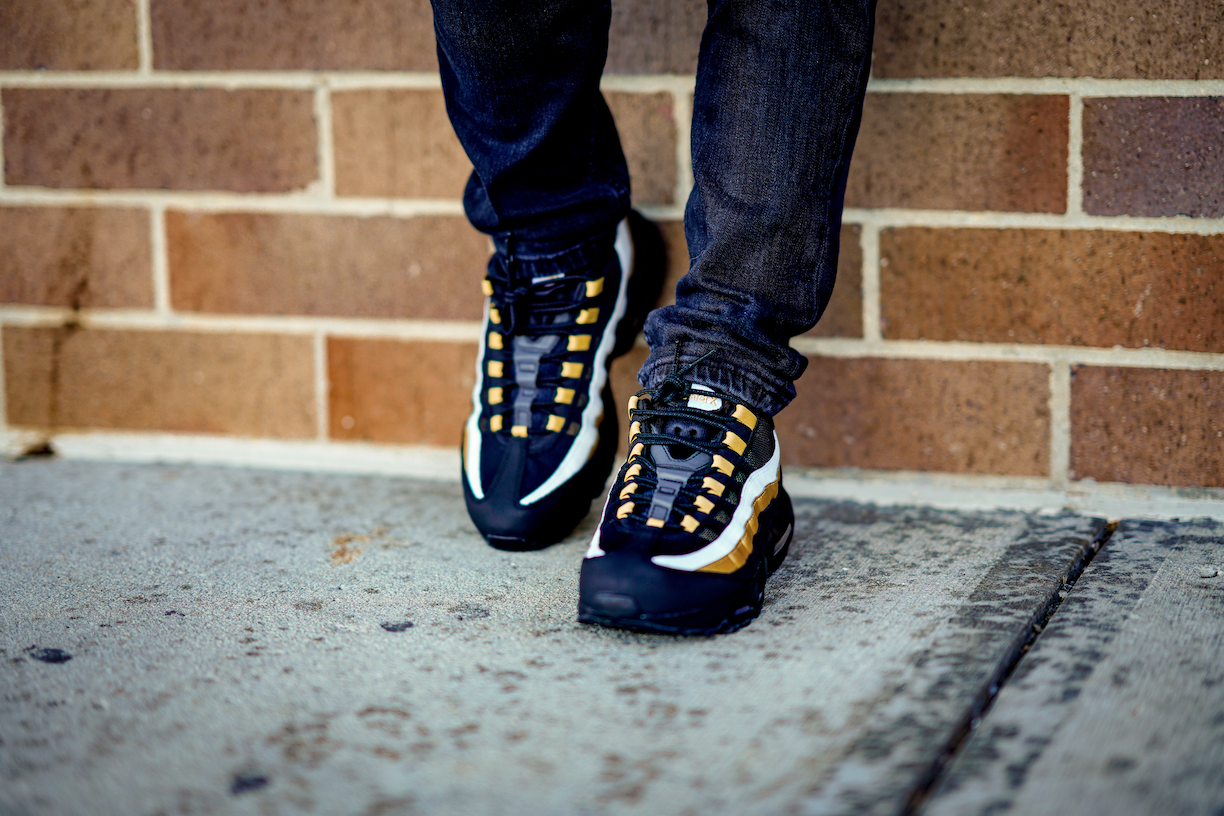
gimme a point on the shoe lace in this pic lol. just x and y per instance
(536, 308)
(667, 405)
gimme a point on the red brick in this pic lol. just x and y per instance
(264, 263)
(961, 152)
(1065, 287)
(1154, 156)
(244, 384)
(960, 417)
(1148, 426)
(402, 392)
(232, 35)
(81, 258)
(655, 36)
(647, 127)
(396, 144)
(184, 139)
(1114, 39)
(68, 35)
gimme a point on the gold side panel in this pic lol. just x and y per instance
(736, 558)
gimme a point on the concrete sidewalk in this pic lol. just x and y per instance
(212, 640)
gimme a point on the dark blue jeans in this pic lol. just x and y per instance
(775, 113)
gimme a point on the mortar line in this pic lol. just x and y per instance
(3, 163)
(144, 33)
(324, 143)
(160, 257)
(322, 387)
(298, 202)
(347, 80)
(1060, 424)
(869, 244)
(1085, 86)
(215, 201)
(1075, 156)
(407, 208)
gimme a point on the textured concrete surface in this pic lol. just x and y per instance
(353, 643)
(1122, 696)
(185, 639)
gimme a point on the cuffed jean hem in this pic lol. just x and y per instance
(538, 258)
(740, 382)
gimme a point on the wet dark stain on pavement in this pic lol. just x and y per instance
(47, 655)
(401, 626)
(244, 783)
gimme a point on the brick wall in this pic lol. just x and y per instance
(243, 219)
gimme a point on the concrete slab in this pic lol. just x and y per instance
(1119, 707)
(212, 640)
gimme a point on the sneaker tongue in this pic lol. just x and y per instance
(683, 428)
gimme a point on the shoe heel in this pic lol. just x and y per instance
(645, 281)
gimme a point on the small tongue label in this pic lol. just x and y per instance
(703, 402)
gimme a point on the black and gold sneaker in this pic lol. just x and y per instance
(539, 444)
(696, 521)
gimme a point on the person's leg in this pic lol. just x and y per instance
(571, 278)
(779, 95)
(697, 519)
(521, 81)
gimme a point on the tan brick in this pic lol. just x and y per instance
(68, 35)
(402, 392)
(961, 417)
(961, 152)
(1147, 426)
(81, 258)
(378, 35)
(1066, 287)
(181, 139)
(276, 263)
(396, 143)
(244, 384)
(647, 127)
(844, 315)
(1154, 156)
(655, 36)
(1115, 39)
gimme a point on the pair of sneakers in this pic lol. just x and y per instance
(696, 519)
